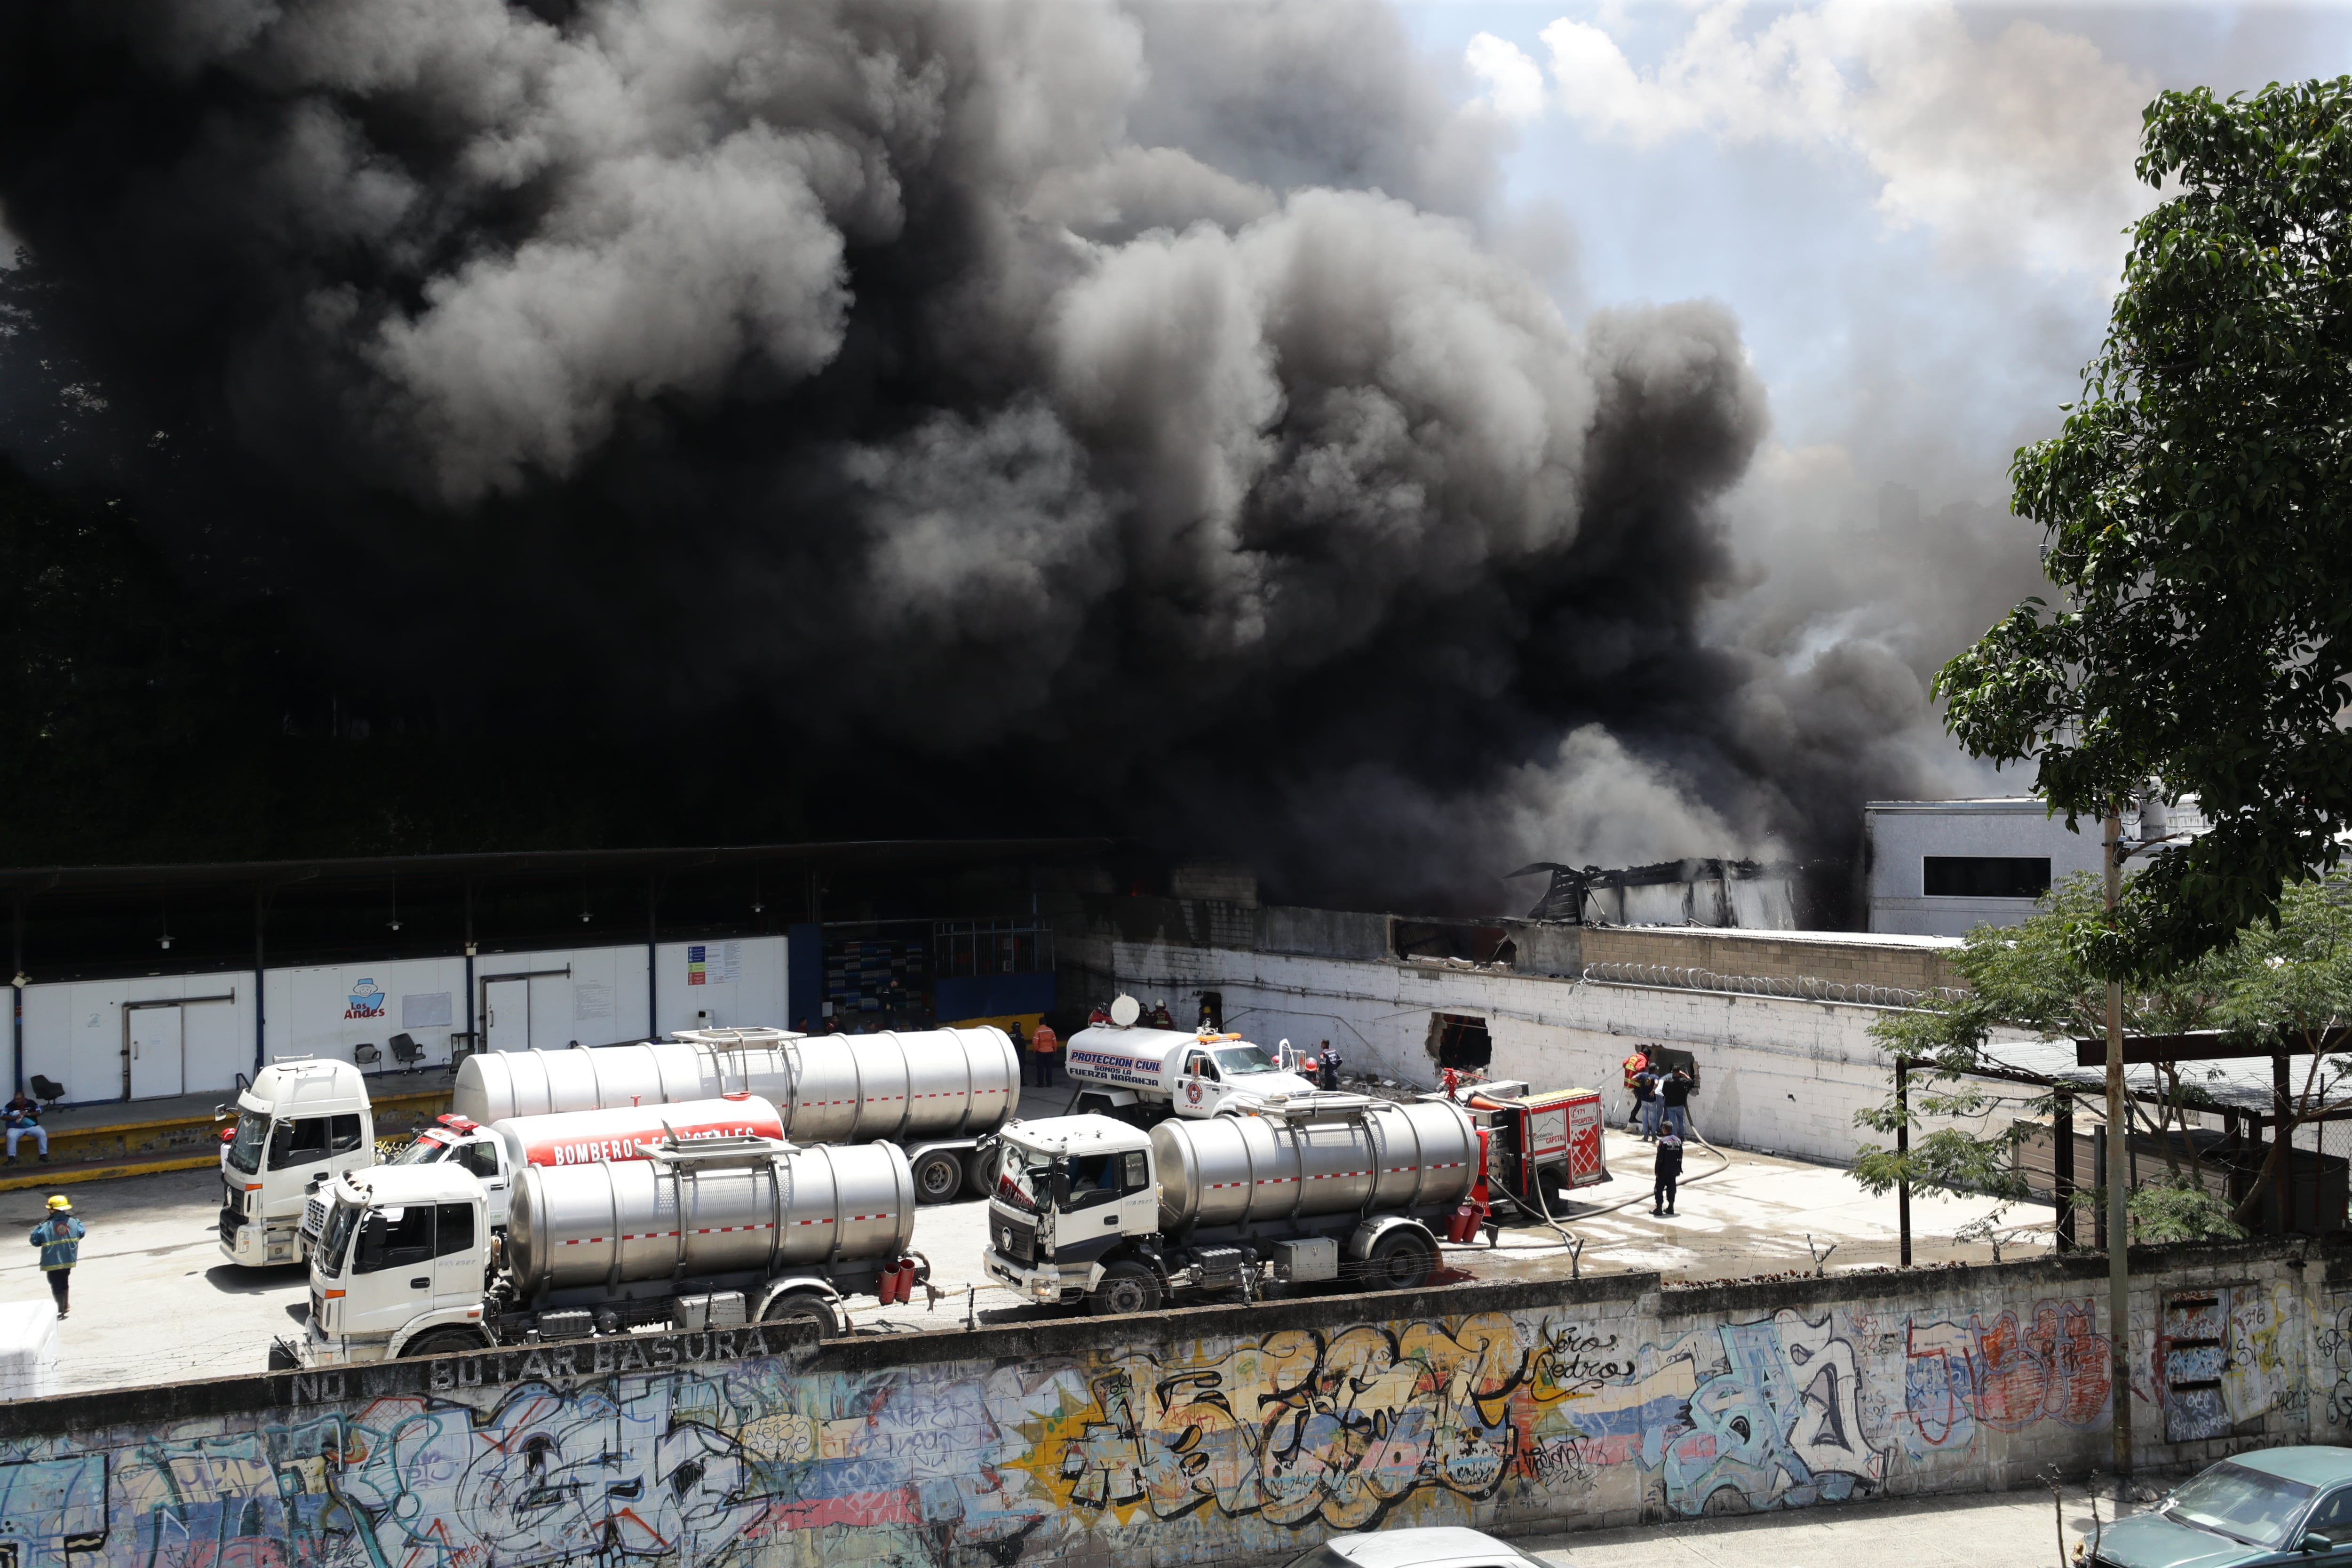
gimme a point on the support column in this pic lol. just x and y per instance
(653, 960)
(2282, 1209)
(2119, 1337)
(2062, 1166)
(16, 1000)
(261, 984)
(473, 1041)
(1902, 1149)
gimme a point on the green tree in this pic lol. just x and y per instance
(2294, 983)
(2038, 976)
(2197, 509)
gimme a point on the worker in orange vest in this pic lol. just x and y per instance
(1043, 1044)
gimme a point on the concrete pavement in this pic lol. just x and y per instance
(155, 1303)
(1996, 1530)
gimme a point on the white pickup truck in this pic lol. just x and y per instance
(1142, 1076)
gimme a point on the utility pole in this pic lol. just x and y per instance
(2118, 1229)
(1902, 1151)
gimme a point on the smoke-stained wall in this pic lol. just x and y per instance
(1210, 1436)
(1085, 414)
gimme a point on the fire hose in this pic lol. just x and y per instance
(1574, 1244)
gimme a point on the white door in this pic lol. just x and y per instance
(506, 1004)
(155, 1059)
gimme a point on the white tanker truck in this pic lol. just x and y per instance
(707, 1233)
(935, 1093)
(1336, 1187)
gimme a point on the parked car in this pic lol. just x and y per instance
(2270, 1506)
(1430, 1546)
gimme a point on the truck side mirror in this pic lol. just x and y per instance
(1058, 1189)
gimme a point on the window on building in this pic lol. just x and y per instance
(1458, 1040)
(1987, 876)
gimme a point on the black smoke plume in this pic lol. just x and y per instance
(1016, 416)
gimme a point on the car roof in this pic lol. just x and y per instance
(2313, 1464)
(1427, 1546)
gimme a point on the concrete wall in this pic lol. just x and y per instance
(1901, 963)
(1204, 1438)
(1776, 1074)
(74, 1031)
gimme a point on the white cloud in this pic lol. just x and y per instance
(1512, 83)
(2016, 148)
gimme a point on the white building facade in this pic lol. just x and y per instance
(1942, 867)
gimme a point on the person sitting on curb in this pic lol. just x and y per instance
(22, 1115)
(59, 1239)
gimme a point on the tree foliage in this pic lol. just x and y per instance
(2289, 982)
(2197, 507)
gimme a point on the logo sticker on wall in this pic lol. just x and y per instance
(367, 1000)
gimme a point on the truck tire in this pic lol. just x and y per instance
(800, 1306)
(1127, 1287)
(938, 1176)
(980, 1173)
(1091, 1104)
(1401, 1260)
(443, 1342)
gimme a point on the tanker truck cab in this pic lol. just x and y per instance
(453, 1141)
(400, 1267)
(1320, 1189)
(300, 1124)
(1141, 1075)
(1075, 1195)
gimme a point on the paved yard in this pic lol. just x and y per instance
(155, 1303)
(1999, 1529)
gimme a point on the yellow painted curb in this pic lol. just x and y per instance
(66, 1176)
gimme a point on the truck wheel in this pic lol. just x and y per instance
(1401, 1260)
(443, 1342)
(980, 1173)
(800, 1306)
(1127, 1287)
(938, 1175)
(1092, 1105)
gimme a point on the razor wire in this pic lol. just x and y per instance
(1797, 988)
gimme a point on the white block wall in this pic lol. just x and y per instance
(596, 996)
(1776, 1074)
(73, 1031)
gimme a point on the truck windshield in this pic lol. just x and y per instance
(424, 1151)
(252, 1137)
(2242, 1503)
(1021, 1177)
(1241, 1060)
(337, 1240)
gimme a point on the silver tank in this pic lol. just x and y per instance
(568, 1223)
(832, 1089)
(1228, 1169)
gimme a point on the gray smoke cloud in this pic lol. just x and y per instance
(1140, 404)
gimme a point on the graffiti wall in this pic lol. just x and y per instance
(1210, 1437)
